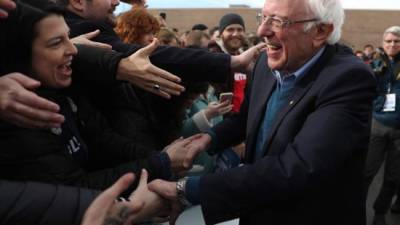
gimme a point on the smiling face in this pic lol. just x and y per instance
(52, 52)
(291, 47)
(233, 37)
(391, 45)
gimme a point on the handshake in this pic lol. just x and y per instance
(156, 201)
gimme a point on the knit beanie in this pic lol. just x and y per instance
(230, 19)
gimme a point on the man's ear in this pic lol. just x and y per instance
(322, 33)
(77, 5)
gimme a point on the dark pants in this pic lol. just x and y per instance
(384, 146)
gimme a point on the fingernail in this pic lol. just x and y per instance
(60, 118)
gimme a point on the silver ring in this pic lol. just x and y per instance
(156, 87)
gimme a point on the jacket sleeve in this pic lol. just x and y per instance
(32, 155)
(193, 64)
(102, 179)
(103, 140)
(26, 203)
(107, 147)
(98, 67)
(189, 64)
(95, 66)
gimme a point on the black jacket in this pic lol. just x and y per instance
(39, 153)
(61, 155)
(129, 110)
(27, 203)
(311, 170)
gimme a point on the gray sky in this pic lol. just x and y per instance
(348, 4)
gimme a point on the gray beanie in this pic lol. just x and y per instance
(230, 19)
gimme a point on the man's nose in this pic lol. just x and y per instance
(265, 31)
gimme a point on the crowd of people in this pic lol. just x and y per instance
(283, 127)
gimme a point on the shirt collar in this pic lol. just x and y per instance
(300, 72)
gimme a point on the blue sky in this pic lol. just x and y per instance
(349, 4)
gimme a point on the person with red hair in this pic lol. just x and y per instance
(137, 26)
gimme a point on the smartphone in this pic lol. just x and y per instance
(226, 96)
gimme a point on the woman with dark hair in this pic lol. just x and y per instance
(19, 33)
(37, 44)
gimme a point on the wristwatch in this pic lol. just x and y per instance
(181, 189)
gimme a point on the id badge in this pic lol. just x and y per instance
(390, 103)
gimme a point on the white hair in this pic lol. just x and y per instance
(327, 12)
(395, 30)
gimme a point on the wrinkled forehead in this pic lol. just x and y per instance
(286, 8)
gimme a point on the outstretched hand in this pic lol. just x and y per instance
(168, 191)
(105, 211)
(20, 106)
(139, 71)
(179, 154)
(244, 61)
(5, 6)
(85, 39)
(198, 143)
(154, 205)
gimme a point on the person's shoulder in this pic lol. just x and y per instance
(344, 68)
(79, 25)
(344, 60)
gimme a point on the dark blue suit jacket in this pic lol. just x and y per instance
(312, 168)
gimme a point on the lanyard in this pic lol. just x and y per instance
(391, 77)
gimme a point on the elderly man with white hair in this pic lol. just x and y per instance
(306, 122)
(385, 132)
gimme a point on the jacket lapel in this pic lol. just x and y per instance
(301, 88)
(263, 84)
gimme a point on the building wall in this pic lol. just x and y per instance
(361, 26)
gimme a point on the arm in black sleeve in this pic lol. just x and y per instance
(26, 203)
(95, 66)
(56, 166)
(193, 64)
(99, 66)
(189, 64)
(102, 179)
(102, 140)
(112, 148)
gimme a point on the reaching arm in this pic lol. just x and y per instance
(20, 106)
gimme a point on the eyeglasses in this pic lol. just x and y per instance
(392, 41)
(277, 24)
